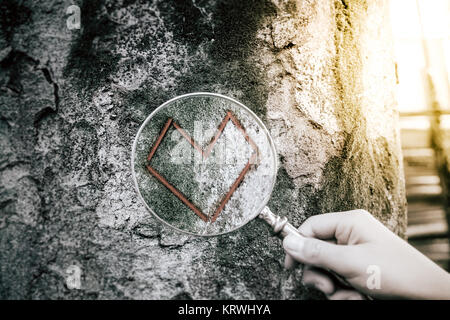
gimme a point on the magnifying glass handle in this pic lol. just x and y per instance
(283, 228)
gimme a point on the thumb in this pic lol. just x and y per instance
(311, 251)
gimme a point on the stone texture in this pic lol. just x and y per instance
(319, 73)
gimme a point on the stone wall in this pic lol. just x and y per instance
(319, 73)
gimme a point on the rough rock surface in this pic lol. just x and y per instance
(319, 73)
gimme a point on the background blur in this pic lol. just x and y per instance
(421, 33)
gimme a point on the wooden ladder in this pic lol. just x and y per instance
(427, 224)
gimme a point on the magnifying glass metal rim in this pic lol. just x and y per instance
(204, 94)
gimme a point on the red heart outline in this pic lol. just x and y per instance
(229, 116)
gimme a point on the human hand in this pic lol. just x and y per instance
(357, 247)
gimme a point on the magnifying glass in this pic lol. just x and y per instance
(205, 164)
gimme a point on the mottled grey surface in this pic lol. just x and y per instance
(319, 73)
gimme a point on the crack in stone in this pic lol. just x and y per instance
(44, 113)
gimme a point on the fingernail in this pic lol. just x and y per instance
(291, 243)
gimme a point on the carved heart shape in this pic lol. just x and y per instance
(205, 153)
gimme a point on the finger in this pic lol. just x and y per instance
(319, 280)
(337, 225)
(346, 295)
(322, 226)
(337, 258)
(289, 262)
(339, 281)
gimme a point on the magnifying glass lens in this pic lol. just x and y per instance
(204, 164)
